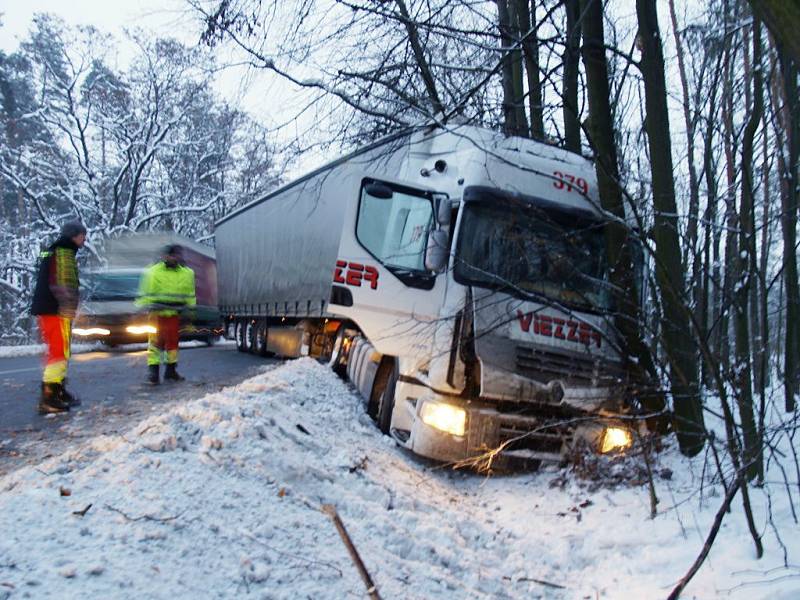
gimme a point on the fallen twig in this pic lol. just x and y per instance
(308, 561)
(712, 534)
(144, 517)
(372, 590)
(543, 582)
(82, 513)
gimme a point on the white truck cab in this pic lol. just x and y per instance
(466, 293)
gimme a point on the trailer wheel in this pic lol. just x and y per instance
(381, 403)
(250, 336)
(241, 335)
(260, 346)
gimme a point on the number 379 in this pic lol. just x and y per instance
(570, 183)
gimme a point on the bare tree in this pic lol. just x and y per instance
(681, 350)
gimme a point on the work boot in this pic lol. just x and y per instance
(51, 400)
(67, 398)
(152, 375)
(172, 374)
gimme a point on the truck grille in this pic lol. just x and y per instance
(523, 433)
(544, 366)
(540, 440)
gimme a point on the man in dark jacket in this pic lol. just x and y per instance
(55, 300)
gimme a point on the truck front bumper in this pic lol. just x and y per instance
(453, 430)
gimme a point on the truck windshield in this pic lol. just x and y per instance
(111, 286)
(524, 249)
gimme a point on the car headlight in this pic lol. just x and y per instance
(90, 331)
(615, 439)
(140, 329)
(444, 417)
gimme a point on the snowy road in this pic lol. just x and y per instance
(110, 384)
(221, 498)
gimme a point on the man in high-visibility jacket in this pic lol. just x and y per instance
(166, 289)
(55, 300)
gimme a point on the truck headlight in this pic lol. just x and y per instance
(91, 331)
(444, 417)
(140, 329)
(615, 439)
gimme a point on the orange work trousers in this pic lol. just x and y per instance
(163, 344)
(56, 333)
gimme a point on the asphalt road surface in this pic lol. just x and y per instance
(114, 395)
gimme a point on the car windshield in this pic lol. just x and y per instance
(111, 286)
(524, 249)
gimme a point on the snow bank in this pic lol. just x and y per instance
(221, 497)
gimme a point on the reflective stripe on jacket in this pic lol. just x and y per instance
(162, 287)
(57, 282)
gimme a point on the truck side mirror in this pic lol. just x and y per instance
(379, 190)
(436, 254)
(442, 205)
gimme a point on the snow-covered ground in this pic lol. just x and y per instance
(221, 497)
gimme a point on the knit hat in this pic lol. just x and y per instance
(71, 229)
(173, 250)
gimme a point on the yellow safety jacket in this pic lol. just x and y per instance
(162, 287)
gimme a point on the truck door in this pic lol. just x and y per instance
(380, 280)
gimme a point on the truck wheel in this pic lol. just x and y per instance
(241, 335)
(381, 402)
(386, 407)
(339, 354)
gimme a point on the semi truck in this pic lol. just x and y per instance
(107, 312)
(457, 277)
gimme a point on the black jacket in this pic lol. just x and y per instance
(56, 291)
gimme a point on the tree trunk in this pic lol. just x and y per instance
(680, 348)
(782, 17)
(711, 272)
(765, 348)
(572, 124)
(731, 241)
(745, 270)
(618, 244)
(690, 254)
(516, 123)
(530, 44)
(789, 225)
(422, 61)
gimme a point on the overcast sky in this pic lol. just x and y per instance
(242, 87)
(163, 17)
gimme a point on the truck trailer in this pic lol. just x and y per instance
(457, 277)
(107, 312)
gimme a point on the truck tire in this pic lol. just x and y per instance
(250, 335)
(381, 402)
(339, 354)
(260, 342)
(241, 335)
(386, 407)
